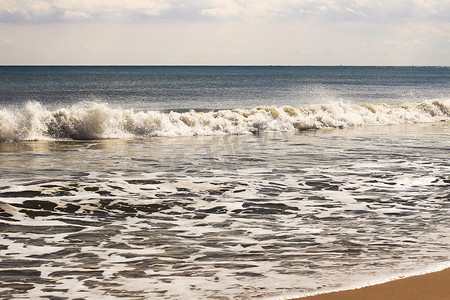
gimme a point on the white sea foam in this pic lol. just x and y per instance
(232, 217)
(100, 121)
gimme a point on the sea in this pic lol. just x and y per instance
(227, 182)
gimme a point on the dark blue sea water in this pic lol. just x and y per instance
(207, 88)
(220, 182)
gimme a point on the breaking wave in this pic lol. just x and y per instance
(101, 121)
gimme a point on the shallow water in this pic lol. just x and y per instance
(227, 217)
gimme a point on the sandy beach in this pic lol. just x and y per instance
(429, 286)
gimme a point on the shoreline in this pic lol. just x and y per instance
(434, 285)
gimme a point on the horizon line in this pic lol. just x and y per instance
(206, 65)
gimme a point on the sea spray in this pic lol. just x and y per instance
(91, 120)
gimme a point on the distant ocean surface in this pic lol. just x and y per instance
(220, 182)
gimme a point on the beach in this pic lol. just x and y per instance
(432, 286)
(224, 149)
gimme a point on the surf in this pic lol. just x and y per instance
(97, 120)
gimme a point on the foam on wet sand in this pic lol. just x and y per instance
(434, 285)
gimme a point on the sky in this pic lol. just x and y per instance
(225, 32)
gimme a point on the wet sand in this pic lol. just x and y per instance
(431, 286)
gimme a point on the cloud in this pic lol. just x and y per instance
(328, 11)
(73, 10)
(382, 11)
(222, 9)
(250, 9)
(331, 10)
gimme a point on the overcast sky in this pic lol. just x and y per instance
(225, 32)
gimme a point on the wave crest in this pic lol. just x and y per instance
(101, 121)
